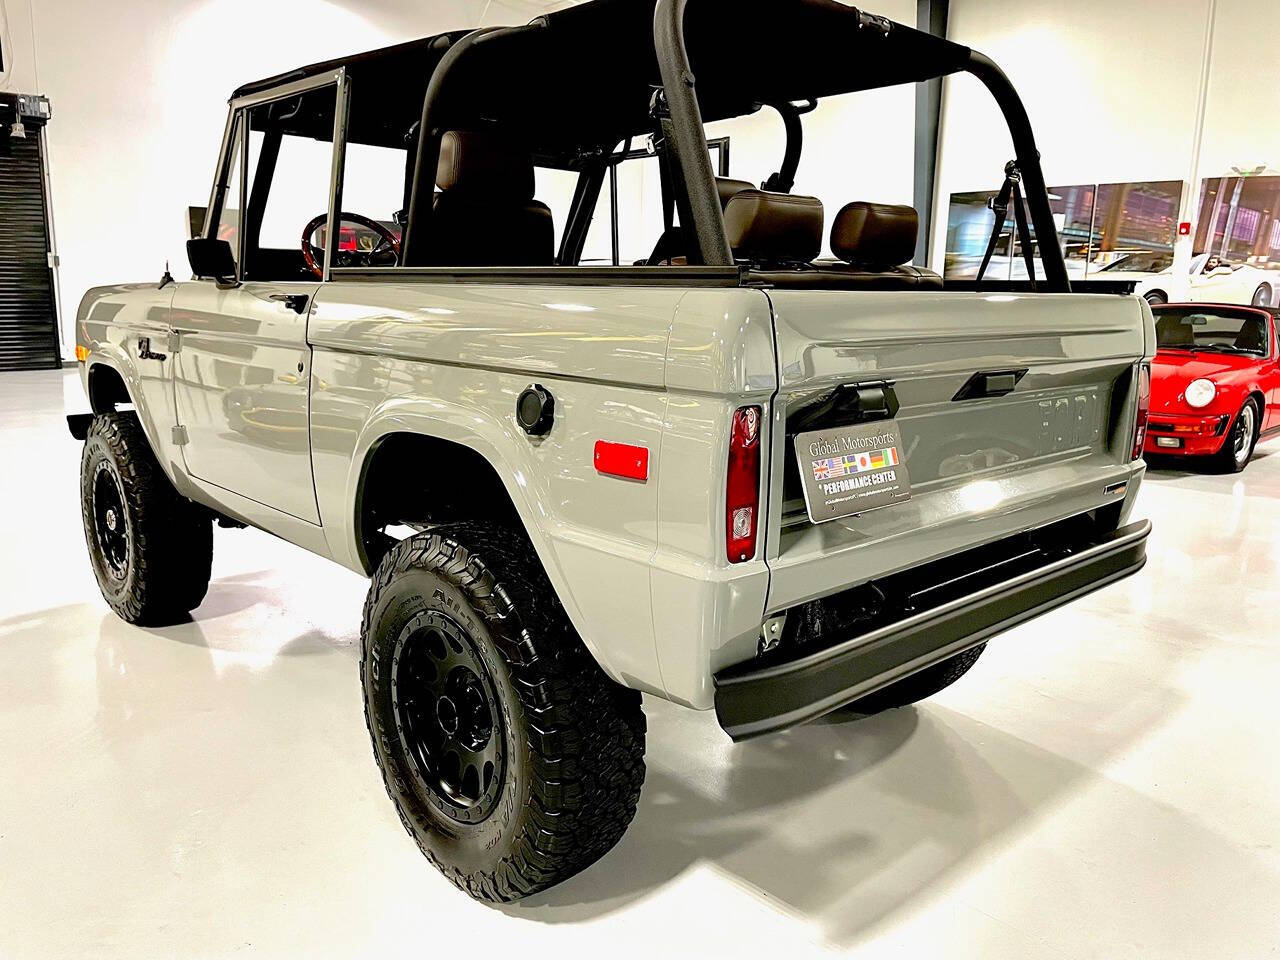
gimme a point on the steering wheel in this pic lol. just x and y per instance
(313, 256)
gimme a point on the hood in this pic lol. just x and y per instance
(1185, 366)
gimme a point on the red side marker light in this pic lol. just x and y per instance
(1184, 229)
(622, 460)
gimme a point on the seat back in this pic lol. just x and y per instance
(485, 213)
(774, 228)
(875, 235)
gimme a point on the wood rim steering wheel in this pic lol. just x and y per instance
(313, 256)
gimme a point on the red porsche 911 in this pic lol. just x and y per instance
(1215, 382)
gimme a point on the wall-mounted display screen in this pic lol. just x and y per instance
(1239, 220)
(1116, 227)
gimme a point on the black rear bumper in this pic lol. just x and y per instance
(770, 693)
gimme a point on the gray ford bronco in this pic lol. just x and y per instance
(737, 474)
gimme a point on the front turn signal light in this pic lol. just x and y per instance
(82, 353)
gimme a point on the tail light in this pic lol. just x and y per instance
(1143, 409)
(742, 487)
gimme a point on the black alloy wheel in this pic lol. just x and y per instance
(447, 717)
(111, 520)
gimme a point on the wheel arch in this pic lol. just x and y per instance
(1255, 393)
(106, 388)
(467, 439)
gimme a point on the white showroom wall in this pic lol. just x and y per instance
(1113, 88)
(18, 46)
(139, 91)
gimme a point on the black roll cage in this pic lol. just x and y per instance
(688, 141)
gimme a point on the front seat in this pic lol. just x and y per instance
(485, 213)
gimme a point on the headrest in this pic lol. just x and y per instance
(483, 161)
(774, 227)
(728, 189)
(875, 234)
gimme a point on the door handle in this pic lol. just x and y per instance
(297, 302)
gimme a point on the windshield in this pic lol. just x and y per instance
(1212, 331)
(1141, 263)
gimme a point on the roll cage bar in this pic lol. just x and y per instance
(683, 127)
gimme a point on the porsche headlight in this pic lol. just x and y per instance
(1200, 393)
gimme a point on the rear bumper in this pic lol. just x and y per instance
(765, 695)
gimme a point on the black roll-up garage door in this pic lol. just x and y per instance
(28, 320)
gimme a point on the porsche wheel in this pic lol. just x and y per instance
(1155, 298)
(1237, 449)
(1262, 296)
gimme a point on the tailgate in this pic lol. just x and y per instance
(981, 466)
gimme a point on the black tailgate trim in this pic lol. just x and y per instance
(752, 700)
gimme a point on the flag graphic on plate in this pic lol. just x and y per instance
(851, 464)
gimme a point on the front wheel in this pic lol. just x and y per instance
(1262, 296)
(512, 760)
(151, 549)
(1237, 449)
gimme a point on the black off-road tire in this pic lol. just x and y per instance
(165, 541)
(918, 686)
(572, 753)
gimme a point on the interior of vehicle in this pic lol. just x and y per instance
(494, 140)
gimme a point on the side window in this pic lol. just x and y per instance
(635, 190)
(373, 201)
(230, 199)
(290, 144)
(555, 188)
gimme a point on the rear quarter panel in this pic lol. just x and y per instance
(449, 360)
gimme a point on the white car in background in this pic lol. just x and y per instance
(1210, 280)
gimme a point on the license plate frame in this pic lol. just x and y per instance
(849, 470)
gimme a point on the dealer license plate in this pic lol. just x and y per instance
(850, 470)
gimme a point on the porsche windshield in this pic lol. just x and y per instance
(1213, 331)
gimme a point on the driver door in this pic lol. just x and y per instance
(243, 363)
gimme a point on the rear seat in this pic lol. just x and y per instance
(873, 241)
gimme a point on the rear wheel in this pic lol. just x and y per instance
(1156, 297)
(1237, 449)
(512, 760)
(1262, 296)
(919, 686)
(151, 549)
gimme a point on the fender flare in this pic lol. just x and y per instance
(113, 357)
(493, 440)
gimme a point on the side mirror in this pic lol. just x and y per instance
(211, 258)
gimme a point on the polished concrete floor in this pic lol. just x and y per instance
(1105, 783)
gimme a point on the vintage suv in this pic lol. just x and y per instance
(735, 475)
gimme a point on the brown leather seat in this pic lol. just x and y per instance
(773, 228)
(877, 241)
(671, 247)
(874, 241)
(485, 213)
